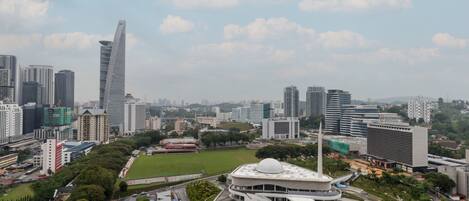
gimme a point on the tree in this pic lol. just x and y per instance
(88, 192)
(123, 186)
(441, 181)
(221, 178)
(96, 175)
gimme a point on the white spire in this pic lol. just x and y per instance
(320, 150)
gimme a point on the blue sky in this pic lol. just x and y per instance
(250, 49)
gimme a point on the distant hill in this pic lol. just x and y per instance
(396, 100)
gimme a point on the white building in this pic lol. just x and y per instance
(224, 116)
(51, 156)
(211, 121)
(420, 108)
(153, 123)
(11, 121)
(43, 75)
(134, 116)
(273, 180)
(281, 128)
(240, 114)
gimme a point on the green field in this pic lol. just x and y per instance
(17, 192)
(239, 125)
(207, 162)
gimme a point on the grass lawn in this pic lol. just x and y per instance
(239, 125)
(17, 192)
(384, 191)
(207, 162)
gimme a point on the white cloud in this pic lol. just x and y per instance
(80, 40)
(385, 55)
(21, 14)
(212, 4)
(283, 29)
(447, 40)
(13, 42)
(342, 39)
(175, 24)
(349, 5)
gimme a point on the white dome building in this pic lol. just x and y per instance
(271, 180)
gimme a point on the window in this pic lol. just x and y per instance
(258, 187)
(280, 188)
(269, 187)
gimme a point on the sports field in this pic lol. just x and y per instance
(206, 162)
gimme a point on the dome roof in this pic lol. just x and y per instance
(269, 166)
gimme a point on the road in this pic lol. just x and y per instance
(361, 193)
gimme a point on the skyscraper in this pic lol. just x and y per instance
(112, 77)
(65, 88)
(11, 121)
(43, 75)
(315, 101)
(336, 99)
(8, 78)
(32, 93)
(291, 101)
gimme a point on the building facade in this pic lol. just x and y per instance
(11, 121)
(65, 88)
(336, 99)
(112, 77)
(32, 117)
(8, 79)
(153, 123)
(354, 118)
(316, 101)
(407, 146)
(32, 93)
(93, 126)
(51, 156)
(291, 101)
(281, 128)
(134, 117)
(44, 75)
(420, 108)
(57, 116)
(258, 112)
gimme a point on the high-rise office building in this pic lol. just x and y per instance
(93, 125)
(315, 101)
(291, 101)
(259, 111)
(65, 88)
(405, 145)
(336, 99)
(112, 77)
(11, 121)
(355, 116)
(420, 108)
(32, 117)
(31, 93)
(281, 128)
(8, 78)
(134, 116)
(43, 75)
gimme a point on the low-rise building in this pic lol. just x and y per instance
(51, 156)
(209, 121)
(8, 160)
(153, 123)
(75, 150)
(281, 128)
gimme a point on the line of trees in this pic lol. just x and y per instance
(232, 137)
(286, 151)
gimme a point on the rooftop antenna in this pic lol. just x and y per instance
(320, 151)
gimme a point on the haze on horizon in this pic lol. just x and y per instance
(229, 50)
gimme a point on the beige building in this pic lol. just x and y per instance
(93, 125)
(153, 123)
(180, 125)
(210, 121)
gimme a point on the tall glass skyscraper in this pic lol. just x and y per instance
(43, 75)
(315, 101)
(65, 88)
(336, 99)
(112, 77)
(8, 78)
(291, 101)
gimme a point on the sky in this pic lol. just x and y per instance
(230, 50)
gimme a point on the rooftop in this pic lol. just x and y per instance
(274, 170)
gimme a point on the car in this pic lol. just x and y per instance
(134, 195)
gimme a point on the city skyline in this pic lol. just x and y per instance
(288, 43)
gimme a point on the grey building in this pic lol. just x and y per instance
(406, 146)
(291, 101)
(336, 99)
(112, 77)
(32, 117)
(354, 118)
(32, 93)
(43, 75)
(65, 88)
(8, 79)
(315, 101)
